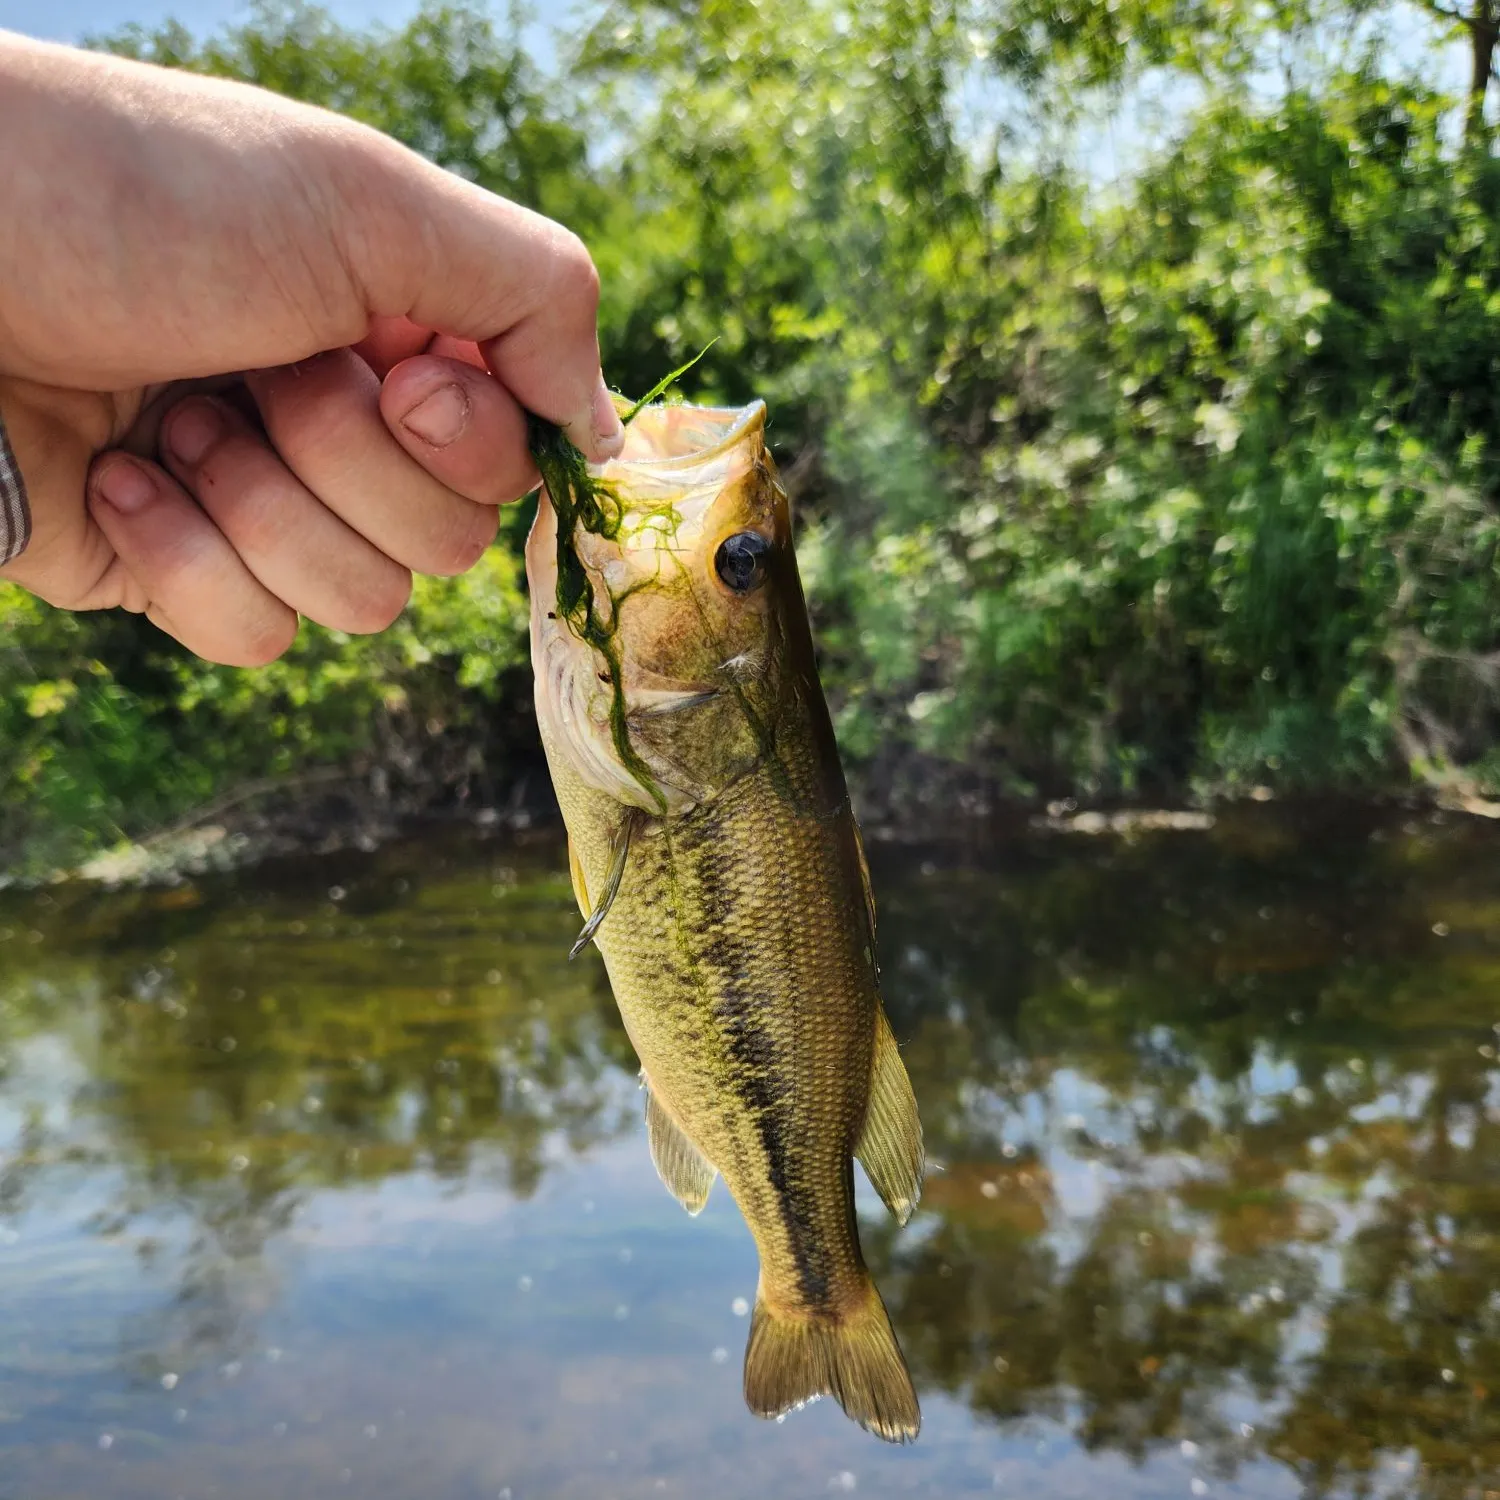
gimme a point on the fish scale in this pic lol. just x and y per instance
(728, 896)
(689, 984)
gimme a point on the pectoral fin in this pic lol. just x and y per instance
(687, 1173)
(890, 1145)
(611, 883)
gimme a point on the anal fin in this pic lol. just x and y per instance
(890, 1145)
(687, 1173)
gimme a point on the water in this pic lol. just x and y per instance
(330, 1178)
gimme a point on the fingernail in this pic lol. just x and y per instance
(440, 418)
(124, 486)
(609, 435)
(192, 430)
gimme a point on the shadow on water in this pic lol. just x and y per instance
(1219, 1207)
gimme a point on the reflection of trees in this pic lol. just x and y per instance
(245, 1045)
(1293, 1243)
(1273, 1228)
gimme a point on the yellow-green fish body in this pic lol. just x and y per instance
(708, 818)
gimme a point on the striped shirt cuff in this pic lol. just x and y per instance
(15, 516)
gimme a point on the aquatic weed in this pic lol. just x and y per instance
(582, 500)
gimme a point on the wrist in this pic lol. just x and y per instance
(51, 435)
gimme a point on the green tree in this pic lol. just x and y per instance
(1171, 486)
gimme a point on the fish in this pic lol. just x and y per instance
(716, 859)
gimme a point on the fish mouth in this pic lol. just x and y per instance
(675, 461)
(666, 439)
(671, 450)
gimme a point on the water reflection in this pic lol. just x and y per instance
(228, 1054)
(1220, 1200)
(1223, 1160)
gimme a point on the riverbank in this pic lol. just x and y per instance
(338, 812)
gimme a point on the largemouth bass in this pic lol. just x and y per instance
(716, 859)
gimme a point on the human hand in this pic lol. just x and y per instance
(258, 361)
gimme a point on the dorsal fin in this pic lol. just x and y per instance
(687, 1173)
(864, 875)
(890, 1145)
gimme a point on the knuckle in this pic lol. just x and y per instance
(255, 530)
(464, 544)
(265, 641)
(515, 489)
(231, 489)
(172, 563)
(577, 277)
(378, 607)
(317, 404)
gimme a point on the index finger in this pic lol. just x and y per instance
(476, 267)
(389, 341)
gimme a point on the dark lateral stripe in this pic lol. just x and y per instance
(739, 1012)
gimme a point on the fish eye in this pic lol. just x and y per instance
(741, 560)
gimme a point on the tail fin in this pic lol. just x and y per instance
(856, 1360)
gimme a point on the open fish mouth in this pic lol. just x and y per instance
(619, 690)
(668, 439)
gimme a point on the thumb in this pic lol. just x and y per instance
(247, 230)
(479, 268)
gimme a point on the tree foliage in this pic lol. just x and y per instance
(1166, 485)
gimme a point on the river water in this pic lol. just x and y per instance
(329, 1178)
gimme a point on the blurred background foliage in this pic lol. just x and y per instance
(1133, 368)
